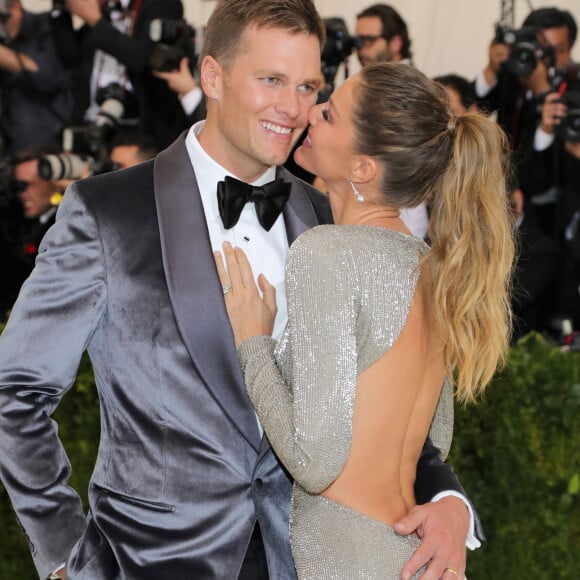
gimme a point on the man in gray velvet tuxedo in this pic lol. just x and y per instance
(185, 486)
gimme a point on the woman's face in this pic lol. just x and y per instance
(327, 150)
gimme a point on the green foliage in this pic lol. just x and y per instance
(517, 454)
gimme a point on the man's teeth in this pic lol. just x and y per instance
(276, 128)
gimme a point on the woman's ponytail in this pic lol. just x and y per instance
(472, 252)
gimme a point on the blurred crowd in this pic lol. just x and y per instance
(100, 85)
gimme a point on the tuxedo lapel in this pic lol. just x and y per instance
(299, 214)
(194, 287)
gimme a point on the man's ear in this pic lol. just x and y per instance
(396, 46)
(517, 201)
(211, 74)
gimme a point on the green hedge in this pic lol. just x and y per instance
(517, 453)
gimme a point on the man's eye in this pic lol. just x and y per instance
(308, 89)
(326, 114)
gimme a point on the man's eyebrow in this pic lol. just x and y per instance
(316, 81)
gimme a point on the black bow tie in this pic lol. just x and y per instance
(269, 200)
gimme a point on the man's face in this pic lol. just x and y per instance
(375, 48)
(455, 100)
(36, 193)
(259, 107)
(14, 22)
(559, 40)
(124, 156)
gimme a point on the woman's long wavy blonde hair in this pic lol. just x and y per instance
(459, 166)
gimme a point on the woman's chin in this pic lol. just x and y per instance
(301, 159)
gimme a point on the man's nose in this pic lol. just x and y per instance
(289, 102)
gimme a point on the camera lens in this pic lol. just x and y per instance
(569, 128)
(522, 59)
(62, 166)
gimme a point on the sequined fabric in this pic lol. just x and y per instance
(349, 290)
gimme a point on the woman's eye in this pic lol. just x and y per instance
(326, 114)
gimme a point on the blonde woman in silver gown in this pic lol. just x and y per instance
(378, 322)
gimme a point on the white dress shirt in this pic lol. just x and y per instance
(266, 250)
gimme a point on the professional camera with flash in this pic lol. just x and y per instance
(335, 52)
(174, 40)
(85, 147)
(569, 127)
(525, 50)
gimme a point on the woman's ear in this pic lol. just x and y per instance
(364, 169)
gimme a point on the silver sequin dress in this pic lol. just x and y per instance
(349, 289)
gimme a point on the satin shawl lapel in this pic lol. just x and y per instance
(194, 287)
(299, 214)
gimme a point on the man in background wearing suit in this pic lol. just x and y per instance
(24, 219)
(185, 485)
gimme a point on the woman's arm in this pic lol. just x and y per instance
(307, 414)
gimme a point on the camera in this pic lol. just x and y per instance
(337, 48)
(85, 147)
(569, 127)
(525, 51)
(174, 40)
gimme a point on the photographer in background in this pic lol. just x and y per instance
(114, 45)
(460, 92)
(555, 179)
(515, 89)
(382, 36)
(129, 148)
(537, 270)
(35, 88)
(183, 83)
(23, 228)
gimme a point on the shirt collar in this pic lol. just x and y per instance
(209, 172)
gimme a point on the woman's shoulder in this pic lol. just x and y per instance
(328, 240)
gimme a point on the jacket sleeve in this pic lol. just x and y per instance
(57, 311)
(434, 476)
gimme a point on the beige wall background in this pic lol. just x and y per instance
(447, 35)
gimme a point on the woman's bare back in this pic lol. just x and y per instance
(395, 401)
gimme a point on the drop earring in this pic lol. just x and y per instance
(359, 196)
